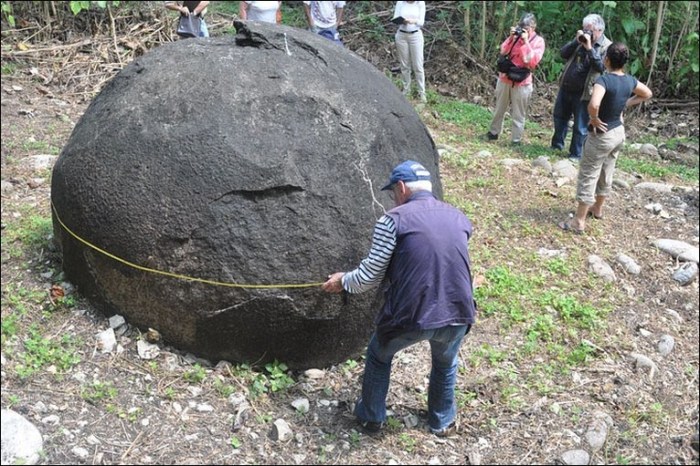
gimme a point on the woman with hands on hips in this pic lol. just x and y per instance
(612, 93)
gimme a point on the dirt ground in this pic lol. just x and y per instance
(117, 408)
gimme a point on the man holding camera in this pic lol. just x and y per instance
(584, 65)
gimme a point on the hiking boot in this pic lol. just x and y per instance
(448, 431)
(370, 427)
(423, 99)
(491, 137)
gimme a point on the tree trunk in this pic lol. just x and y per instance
(483, 30)
(467, 27)
(657, 34)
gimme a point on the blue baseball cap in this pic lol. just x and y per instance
(407, 171)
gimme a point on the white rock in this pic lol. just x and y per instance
(511, 162)
(654, 207)
(147, 350)
(656, 187)
(666, 344)
(314, 374)
(237, 399)
(301, 405)
(21, 440)
(39, 162)
(281, 432)
(678, 249)
(573, 457)
(80, 452)
(106, 340)
(644, 362)
(549, 253)
(649, 149)
(205, 408)
(628, 264)
(116, 321)
(484, 154)
(597, 434)
(601, 268)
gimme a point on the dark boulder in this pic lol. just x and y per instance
(253, 160)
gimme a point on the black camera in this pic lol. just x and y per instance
(582, 37)
(518, 31)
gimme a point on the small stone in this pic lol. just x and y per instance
(21, 440)
(147, 350)
(80, 452)
(628, 264)
(644, 362)
(575, 457)
(666, 344)
(314, 374)
(601, 268)
(116, 321)
(686, 273)
(281, 432)
(301, 405)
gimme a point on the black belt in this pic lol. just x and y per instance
(409, 32)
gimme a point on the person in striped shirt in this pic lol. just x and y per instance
(420, 256)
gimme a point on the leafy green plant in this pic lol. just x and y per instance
(407, 442)
(223, 389)
(278, 378)
(393, 424)
(98, 391)
(6, 8)
(41, 352)
(235, 442)
(195, 375)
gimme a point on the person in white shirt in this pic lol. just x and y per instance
(324, 16)
(265, 11)
(409, 44)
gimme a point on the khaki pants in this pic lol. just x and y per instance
(409, 48)
(595, 174)
(517, 98)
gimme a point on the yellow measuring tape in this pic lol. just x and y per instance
(175, 275)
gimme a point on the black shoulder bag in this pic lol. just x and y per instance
(514, 73)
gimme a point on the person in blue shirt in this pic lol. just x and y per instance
(420, 256)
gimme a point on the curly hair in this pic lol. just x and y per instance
(618, 54)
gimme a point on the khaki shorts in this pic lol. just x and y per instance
(595, 174)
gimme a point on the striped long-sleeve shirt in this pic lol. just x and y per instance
(373, 267)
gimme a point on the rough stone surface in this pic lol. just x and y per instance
(21, 440)
(257, 160)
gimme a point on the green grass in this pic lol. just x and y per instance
(657, 169)
(462, 113)
(30, 231)
(41, 352)
(98, 391)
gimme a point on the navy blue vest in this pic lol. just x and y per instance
(428, 284)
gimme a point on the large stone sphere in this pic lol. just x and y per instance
(249, 160)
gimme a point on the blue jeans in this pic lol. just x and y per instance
(567, 104)
(204, 31)
(444, 348)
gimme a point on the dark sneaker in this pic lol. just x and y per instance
(448, 431)
(371, 427)
(491, 137)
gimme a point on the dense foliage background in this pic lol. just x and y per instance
(662, 35)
